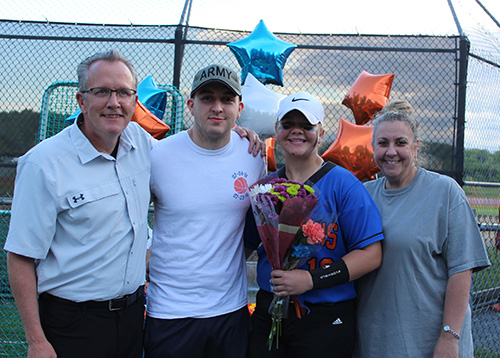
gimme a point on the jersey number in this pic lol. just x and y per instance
(330, 243)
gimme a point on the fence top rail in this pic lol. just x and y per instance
(481, 183)
(130, 25)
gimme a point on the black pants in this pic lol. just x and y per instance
(327, 331)
(84, 330)
(215, 337)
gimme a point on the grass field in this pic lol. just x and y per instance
(483, 192)
(487, 210)
(12, 340)
(480, 352)
(490, 277)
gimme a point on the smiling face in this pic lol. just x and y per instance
(106, 118)
(215, 109)
(297, 137)
(395, 151)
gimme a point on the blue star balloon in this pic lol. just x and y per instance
(154, 98)
(262, 54)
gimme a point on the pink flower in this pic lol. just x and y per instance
(314, 232)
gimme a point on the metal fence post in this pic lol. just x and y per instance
(462, 87)
(180, 32)
(179, 52)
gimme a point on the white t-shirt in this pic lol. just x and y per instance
(197, 266)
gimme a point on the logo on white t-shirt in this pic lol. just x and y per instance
(240, 185)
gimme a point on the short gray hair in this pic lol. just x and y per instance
(397, 111)
(109, 56)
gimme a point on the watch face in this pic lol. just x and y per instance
(447, 328)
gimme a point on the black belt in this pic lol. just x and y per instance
(114, 304)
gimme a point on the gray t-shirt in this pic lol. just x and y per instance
(430, 234)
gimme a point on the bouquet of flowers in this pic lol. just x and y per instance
(282, 210)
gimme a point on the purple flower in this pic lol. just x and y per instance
(302, 193)
(279, 188)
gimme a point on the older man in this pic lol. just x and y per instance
(78, 230)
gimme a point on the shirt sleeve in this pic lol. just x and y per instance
(464, 247)
(359, 218)
(33, 214)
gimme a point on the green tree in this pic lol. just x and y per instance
(481, 165)
(18, 131)
(436, 156)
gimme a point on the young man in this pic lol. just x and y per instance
(78, 230)
(198, 292)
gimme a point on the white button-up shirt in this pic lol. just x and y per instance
(83, 214)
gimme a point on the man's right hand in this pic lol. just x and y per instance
(41, 350)
(22, 277)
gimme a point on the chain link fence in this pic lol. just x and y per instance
(427, 74)
(485, 299)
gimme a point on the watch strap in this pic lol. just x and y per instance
(447, 328)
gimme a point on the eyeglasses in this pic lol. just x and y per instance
(104, 93)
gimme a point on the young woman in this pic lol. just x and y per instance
(352, 247)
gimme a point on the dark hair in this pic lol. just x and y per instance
(109, 56)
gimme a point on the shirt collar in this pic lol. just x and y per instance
(86, 151)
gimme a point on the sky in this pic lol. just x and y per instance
(423, 17)
(319, 16)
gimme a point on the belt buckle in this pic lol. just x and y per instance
(111, 306)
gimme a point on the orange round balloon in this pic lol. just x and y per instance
(352, 149)
(368, 95)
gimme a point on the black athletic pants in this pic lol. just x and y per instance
(327, 331)
(222, 336)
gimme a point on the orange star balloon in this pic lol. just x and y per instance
(271, 158)
(352, 149)
(368, 95)
(147, 120)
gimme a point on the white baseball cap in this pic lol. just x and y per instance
(308, 105)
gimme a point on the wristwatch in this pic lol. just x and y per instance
(447, 328)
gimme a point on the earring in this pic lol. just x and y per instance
(372, 161)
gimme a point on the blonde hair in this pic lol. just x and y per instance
(398, 106)
(398, 110)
